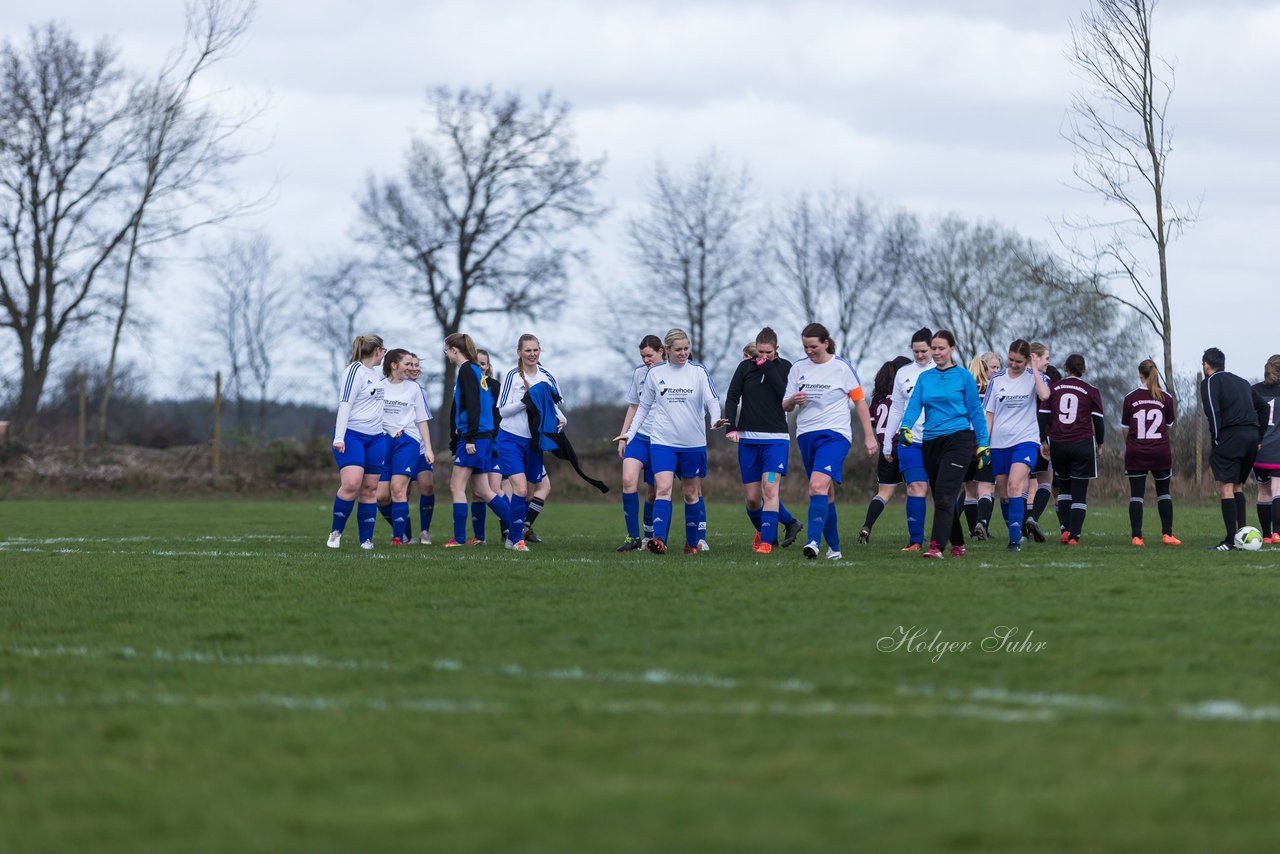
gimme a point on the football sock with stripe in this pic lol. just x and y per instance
(531, 513)
(631, 513)
(1164, 502)
(459, 522)
(426, 509)
(831, 528)
(769, 526)
(702, 519)
(1079, 505)
(661, 519)
(502, 509)
(757, 516)
(477, 520)
(1017, 510)
(691, 524)
(1137, 489)
(519, 506)
(917, 507)
(1043, 493)
(399, 519)
(874, 509)
(341, 512)
(817, 518)
(648, 518)
(985, 505)
(970, 512)
(366, 518)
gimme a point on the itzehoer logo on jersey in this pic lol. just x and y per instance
(675, 394)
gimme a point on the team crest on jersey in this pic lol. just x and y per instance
(484, 383)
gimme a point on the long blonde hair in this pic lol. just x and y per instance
(1150, 377)
(364, 347)
(978, 367)
(462, 341)
(1271, 370)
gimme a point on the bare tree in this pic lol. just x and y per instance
(66, 142)
(842, 262)
(1117, 126)
(693, 248)
(184, 147)
(248, 316)
(479, 221)
(337, 309)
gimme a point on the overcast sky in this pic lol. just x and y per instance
(933, 106)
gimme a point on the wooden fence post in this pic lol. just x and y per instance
(82, 424)
(217, 421)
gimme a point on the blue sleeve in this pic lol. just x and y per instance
(977, 415)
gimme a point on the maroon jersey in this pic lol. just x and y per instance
(880, 423)
(1146, 446)
(1075, 411)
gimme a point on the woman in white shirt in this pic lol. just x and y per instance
(675, 396)
(404, 420)
(359, 445)
(1012, 404)
(823, 386)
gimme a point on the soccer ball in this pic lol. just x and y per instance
(1249, 539)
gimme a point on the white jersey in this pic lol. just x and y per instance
(1014, 407)
(637, 387)
(406, 405)
(904, 382)
(362, 390)
(672, 404)
(515, 419)
(827, 386)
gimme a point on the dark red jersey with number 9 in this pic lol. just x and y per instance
(1072, 406)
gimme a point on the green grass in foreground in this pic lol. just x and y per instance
(207, 676)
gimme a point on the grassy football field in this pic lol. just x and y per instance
(207, 676)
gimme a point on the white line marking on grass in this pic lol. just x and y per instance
(1229, 710)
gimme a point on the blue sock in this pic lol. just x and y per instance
(341, 510)
(519, 506)
(1004, 510)
(426, 508)
(757, 519)
(385, 510)
(917, 507)
(831, 529)
(691, 524)
(477, 519)
(702, 519)
(769, 526)
(502, 509)
(784, 515)
(400, 519)
(661, 519)
(459, 522)
(817, 518)
(366, 518)
(631, 513)
(1017, 510)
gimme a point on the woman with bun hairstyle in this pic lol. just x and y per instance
(1076, 430)
(1146, 415)
(359, 443)
(954, 425)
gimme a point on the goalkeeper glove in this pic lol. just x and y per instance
(984, 457)
(905, 437)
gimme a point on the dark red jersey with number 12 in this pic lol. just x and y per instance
(1146, 447)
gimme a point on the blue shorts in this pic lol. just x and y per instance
(368, 452)
(421, 466)
(1002, 459)
(481, 461)
(823, 451)
(911, 462)
(403, 457)
(518, 455)
(758, 457)
(638, 449)
(685, 462)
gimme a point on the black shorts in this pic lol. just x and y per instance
(1233, 455)
(1042, 464)
(1262, 475)
(1074, 460)
(980, 475)
(887, 471)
